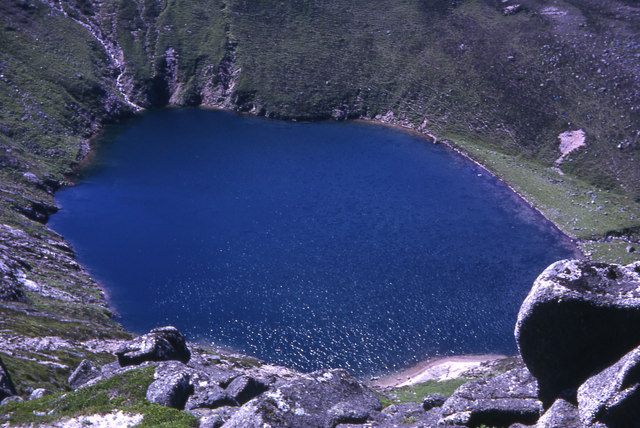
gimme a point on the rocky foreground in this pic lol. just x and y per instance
(577, 333)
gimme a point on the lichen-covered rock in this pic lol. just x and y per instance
(85, 372)
(244, 388)
(260, 413)
(11, 399)
(562, 414)
(433, 400)
(319, 399)
(37, 211)
(408, 415)
(160, 344)
(7, 389)
(346, 413)
(578, 318)
(210, 396)
(11, 290)
(612, 397)
(500, 401)
(209, 418)
(171, 390)
(39, 393)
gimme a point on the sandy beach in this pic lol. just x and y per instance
(441, 368)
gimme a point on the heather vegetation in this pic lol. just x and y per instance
(497, 82)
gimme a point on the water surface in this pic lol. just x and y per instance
(311, 245)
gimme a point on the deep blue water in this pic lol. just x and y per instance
(312, 245)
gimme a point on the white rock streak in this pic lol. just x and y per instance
(114, 51)
(570, 141)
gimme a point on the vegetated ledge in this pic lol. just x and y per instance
(52, 313)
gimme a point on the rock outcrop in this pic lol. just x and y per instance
(408, 414)
(160, 344)
(562, 414)
(579, 318)
(573, 305)
(433, 400)
(85, 372)
(501, 401)
(319, 399)
(612, 397)
(6, 385)
(170, 390)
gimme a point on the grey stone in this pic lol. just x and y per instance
(209, 418)
(11, 290)
(212, 372)
(579, 317)
(261, 413)
(612, 397)
(433, 400)
(561, 414)
(37, 211)
(408, 415)
(346, 413)
(512, 9)
(222, 377)
(85, 372)
(244, 388)
(500, 401)
(160, 344)
(172, 390)
(210, 397)
(39, 393)
(12, 399)
(7, 389)
(31, 177)
(318, 399)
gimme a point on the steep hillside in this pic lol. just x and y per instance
(496, 80)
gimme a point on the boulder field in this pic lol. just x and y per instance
(577, 332)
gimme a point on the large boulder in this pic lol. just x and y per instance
(160, 344)
(433, 400)
(500, 401)
(11, 290)
(579, 317)
(612, 397)
(85, 372)
(561, 414)
(244, 388)
(319, 399)
(170, 390)
(408, 415)
(7, 389)
(209, 397)
(39, 393)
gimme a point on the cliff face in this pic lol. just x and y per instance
(501, 80)
(511, 76)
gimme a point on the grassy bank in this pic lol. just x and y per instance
(498, 87)
(592, 216)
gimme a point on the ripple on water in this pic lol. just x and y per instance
(312, 245)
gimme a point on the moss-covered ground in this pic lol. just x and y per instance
(125, 392)
(500, 88)
(415, 393)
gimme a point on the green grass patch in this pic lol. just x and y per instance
(610, 252)
(580, 209)
(125, 392)
(415, 393)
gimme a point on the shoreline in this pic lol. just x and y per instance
(437, 368)
(461, 152)
(420, 372)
